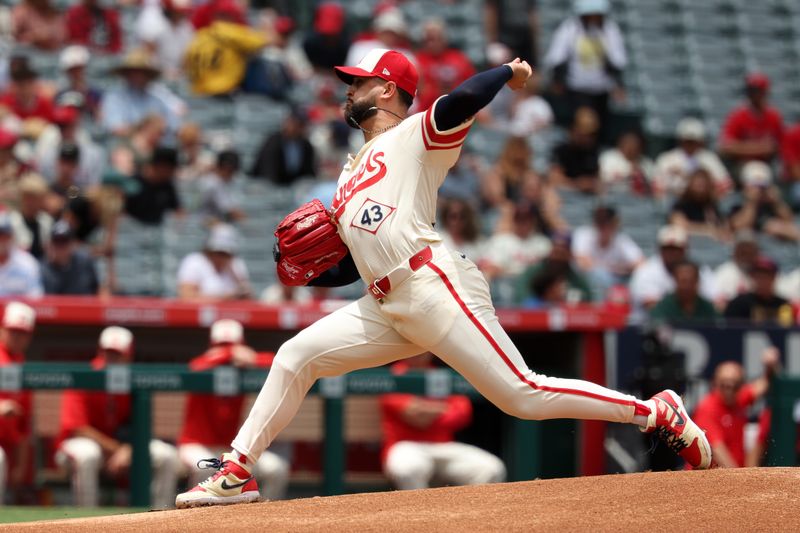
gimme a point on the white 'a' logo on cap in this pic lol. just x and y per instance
(386, 72)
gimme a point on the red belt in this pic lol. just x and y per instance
(381, 287)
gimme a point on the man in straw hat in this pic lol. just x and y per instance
(138, 95)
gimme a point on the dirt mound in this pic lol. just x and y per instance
(763, 499)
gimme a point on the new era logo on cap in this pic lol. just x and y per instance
(386, 64)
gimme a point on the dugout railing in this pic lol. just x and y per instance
(522, 444)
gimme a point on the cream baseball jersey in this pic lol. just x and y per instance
(385, 203)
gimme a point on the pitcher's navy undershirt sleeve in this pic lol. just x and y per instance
(470, 97)
(342, 274)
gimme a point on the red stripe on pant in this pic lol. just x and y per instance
(505, 358)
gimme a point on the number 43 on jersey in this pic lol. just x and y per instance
(371, 215)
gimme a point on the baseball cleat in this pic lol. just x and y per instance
(671, 423)
(231, 483)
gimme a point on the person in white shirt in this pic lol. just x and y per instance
(625, 167)
(606, 255)
(674, 167)
(587, 57)
(732, 277)
(19, 272)
(390, 32)
(215, 273)
(531, 113)
(517, 244)
(221, 195)
(652, 280)
(163, 27)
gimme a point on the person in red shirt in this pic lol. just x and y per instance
(23, 97)
(790, 154)
(723, 412)
(94, 26)
(753, 130)
(210, 422)
(94, 432)
(418, 445)
(441, 68)
(15, 407)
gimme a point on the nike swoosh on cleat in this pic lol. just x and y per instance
(225, 485)
(681, 420)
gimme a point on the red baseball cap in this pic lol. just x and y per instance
(7, 139)
(384, 64)
(757, 80)
(329, 18)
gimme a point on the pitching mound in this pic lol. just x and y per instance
(762, 499)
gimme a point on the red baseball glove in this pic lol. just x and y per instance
(308, 244)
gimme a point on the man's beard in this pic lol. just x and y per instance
(358, 112)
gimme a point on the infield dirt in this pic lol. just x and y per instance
(750, 499)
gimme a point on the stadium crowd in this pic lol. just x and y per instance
(118, 132)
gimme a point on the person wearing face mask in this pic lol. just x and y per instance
(587, 57)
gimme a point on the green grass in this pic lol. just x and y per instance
(29, 514)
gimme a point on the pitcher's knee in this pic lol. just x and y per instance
(294, 356)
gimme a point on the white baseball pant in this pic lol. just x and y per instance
(3, 474)
(84, 458)
(271, 470)
(444, 308)
(413, 465)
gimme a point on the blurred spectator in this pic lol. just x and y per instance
(548, 288)
(38, 23)
(68, 269)
(762, 304)
(515, 24)
(217, 58)
(733, 276)
(762, 208)
(16, 407)
(129, 154)
(278, 293)
(389, 31)
(91, 24)
(674, 167)
(221, 199)
(164, 29)
(790, 155)
(210, 422)
(723, 413)
(11, 168)
(95, 433)
(287, 154)
(531, 113)
(517, 244)
(626, 167)
(535, 191)
(24, 97)
(606, 255)
(441, 67)
(195, 159)
(697, 209)
(504, 180)
(156, 194)
(205, 14)
(460, 229)
(327, 44)
(216, 272)
(66, 129)
(65, 186)
(575, 164)
(31, 222)
(419, 443)
(286, 51)
(653, 279)
(75, 90)
(137, 96)
(685, 303)
(558, 262)
(587, 57)
(19, 272)
(463, 180)
(754, 129)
